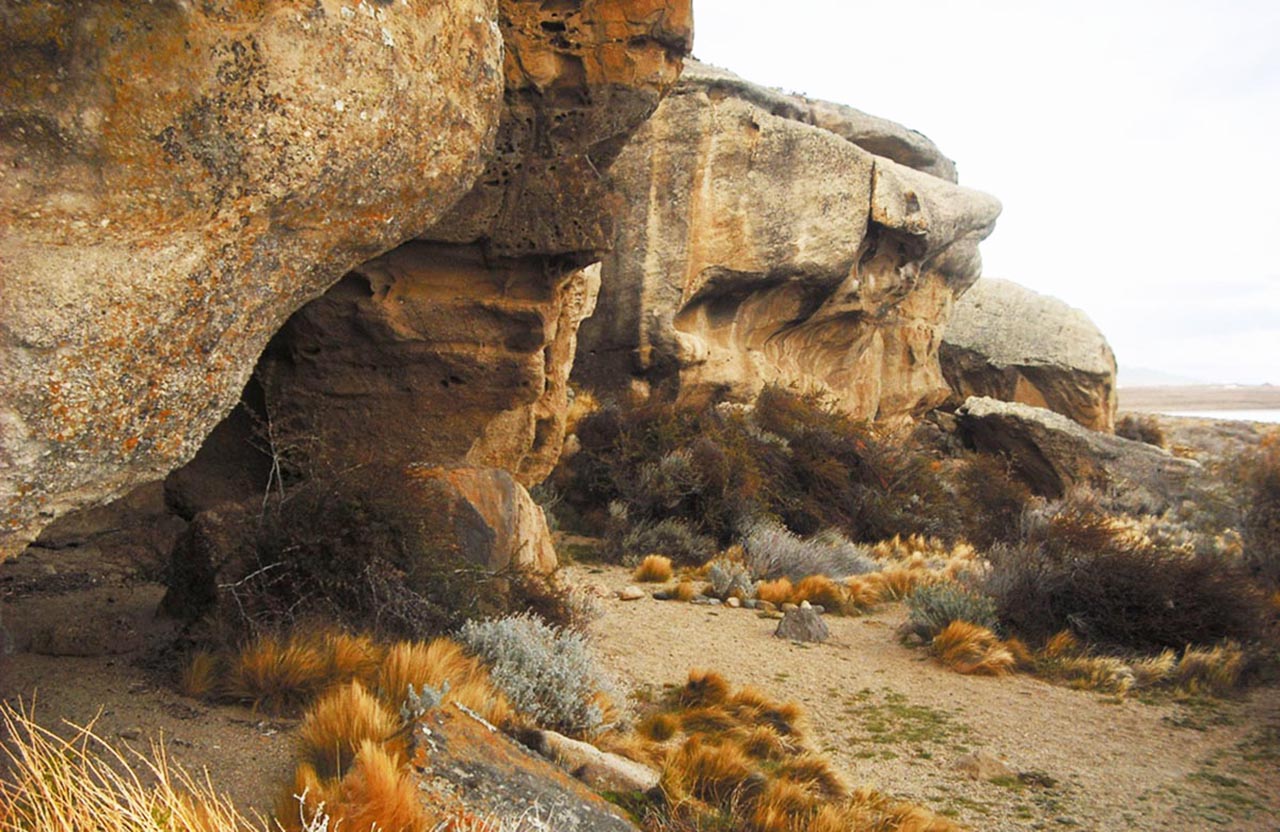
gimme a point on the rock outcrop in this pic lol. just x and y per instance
(1052, 453)
(178, 179)
(1007, 342)
(756, 247)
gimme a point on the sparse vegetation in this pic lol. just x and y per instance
(52, 784)
(1141, 427)
(737, 760)
(549, 674)
(653, 569)
(935, 606)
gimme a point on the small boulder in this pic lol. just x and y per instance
(631, 593)
(802, 625)
(733, 601)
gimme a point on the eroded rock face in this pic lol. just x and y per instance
(432, 354)
(1053, 454)
(758, 248)
(1010, 343)
(178, 179)
(581, 76)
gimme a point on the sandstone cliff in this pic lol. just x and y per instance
(1007, 342)
(764, 241)
(180, 179)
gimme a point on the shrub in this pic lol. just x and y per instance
(935, 606)
(344, 554)
(1136, 598)
(1141, 427)
(672, 537)
(992, 501)
(655, 569)
(771, 551)
(1262, 517)
(548, 673)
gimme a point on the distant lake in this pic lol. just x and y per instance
(1234, 415)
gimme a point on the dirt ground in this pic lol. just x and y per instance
(893, 719)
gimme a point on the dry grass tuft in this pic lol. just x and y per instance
(200, 676)
(863, 591)
(815, 772)
(83, 784)
(659, 727)
(896, 582)
(1153, 670)
(685, 590)
(703, 688)
(1215, 671)
(277, 676)
(819, 589)
(971, 649)
(776, 592)
(654, 569)
(711, 719)
(781, 804)
(380, 793)
(715, 773)
(352, 657)
(334, 730)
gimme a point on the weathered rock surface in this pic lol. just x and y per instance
(871, 133)
(758, 248)
(178, 179)
(1010, 343)
(429, 353)
(1053, 453)
(600, 770)
(494, 521)
(581, 76)
(463, 761)
(802, 624)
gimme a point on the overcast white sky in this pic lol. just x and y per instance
(1135, 146)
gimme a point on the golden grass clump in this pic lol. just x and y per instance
(658, 727)
(971, 649)
(1215, 671)
(352, 657)
(654, 569)
(896, 582)
(200, 676)
(703, 688)
(685, 590)
(432, 664)
(779, 805)
(1153, 670)
(819, 589)
(816, 773)
(380, 793)
(336, 727)
(716, 773)
(776, 592)
(83, 784)
(583, 404)
(277, 676)
(862, 591)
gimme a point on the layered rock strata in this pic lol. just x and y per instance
(1010, 343)
(178, 179)
(756, 248)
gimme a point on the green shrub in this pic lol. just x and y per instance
(934, 606)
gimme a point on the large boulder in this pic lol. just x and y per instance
(1010, 343)
(460, 760)
(759, 248)
(178, 179)
(1052, 454)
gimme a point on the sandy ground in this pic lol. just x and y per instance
(1199, 397)
(893, 719)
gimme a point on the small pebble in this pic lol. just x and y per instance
(733, 601)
